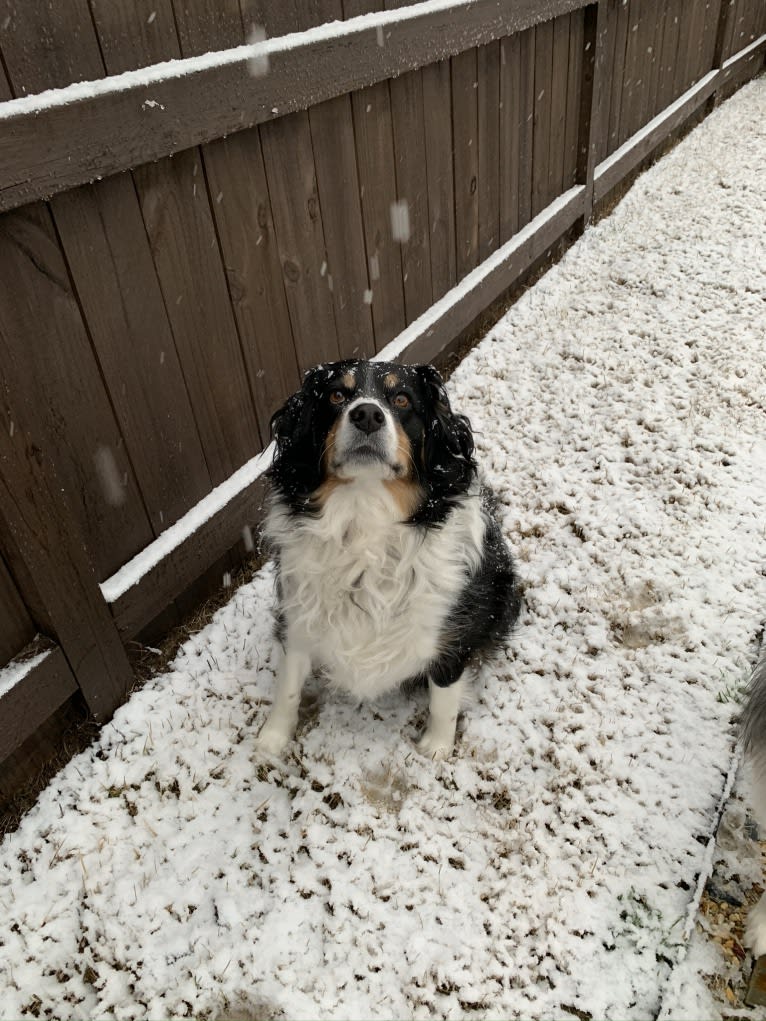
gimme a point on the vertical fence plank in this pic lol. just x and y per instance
(712, 15)
(618, 73)
(332, 135)
(559, 88)
(609, 54)
(652, 107)
(245, 226)
(374, 140)
(488, 111)
(437, 104)
(412, 189)
(510, 116)
(465, 126)
(647, 24)
(695, 43)
(631, 80)
(542, 120)
(289, 161)
(574, 86)
(526, 125)
(669, 58)
(593, 121)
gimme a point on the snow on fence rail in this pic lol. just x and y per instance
(364, 187)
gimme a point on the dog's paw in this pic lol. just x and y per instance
(755, 933)
(272, 741)
(434, 746)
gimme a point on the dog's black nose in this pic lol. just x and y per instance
(367, 417)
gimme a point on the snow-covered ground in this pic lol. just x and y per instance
(551, 866)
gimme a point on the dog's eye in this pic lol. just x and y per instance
(337, 397)
(402, 401)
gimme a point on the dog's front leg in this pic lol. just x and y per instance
(280, 726)
(444, 706)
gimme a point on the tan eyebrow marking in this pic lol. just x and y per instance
(349, 381)
(391, 380)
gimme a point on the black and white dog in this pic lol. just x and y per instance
(390, 563)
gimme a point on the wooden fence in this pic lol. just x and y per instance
(177, 243)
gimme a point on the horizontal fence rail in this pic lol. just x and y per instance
(143, 115)
(362, 187)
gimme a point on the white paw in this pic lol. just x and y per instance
(272, 740)
(755, 933)
(434, 746)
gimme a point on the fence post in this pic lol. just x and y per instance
(592, 96)
(53, 573)
(725, 15)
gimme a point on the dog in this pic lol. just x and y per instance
(390, 562)
(753, 739)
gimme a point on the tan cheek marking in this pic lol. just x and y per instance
(329, 448)
(349, 381)
(403, 450)
(391, 380)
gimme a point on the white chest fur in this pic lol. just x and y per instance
(365, 595)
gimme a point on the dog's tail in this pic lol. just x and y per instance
(753, 733)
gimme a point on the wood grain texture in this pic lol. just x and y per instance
(289, 161)
(526, 125)
(465, 134)
(53, 386)
(241, 206)
(618, 75)
(574, 96)
(176, 211)
(16, 626)
(437, 105)
(245, 226)
(412, 188)
(559, 89)
(510, 130)
(103, 236)
(374, 139)
(488, 97)
(541, 157)
(332, 135)
(188, 108)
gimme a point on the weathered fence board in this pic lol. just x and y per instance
(437, 101)
(209, 99)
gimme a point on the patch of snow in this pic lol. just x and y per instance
(400, 221)
(132, 572)
(17, 670)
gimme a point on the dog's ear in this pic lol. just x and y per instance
(296, 463)
(448, 443)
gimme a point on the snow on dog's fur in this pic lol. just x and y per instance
(390, 563)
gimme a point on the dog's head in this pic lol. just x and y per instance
(376, 421)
